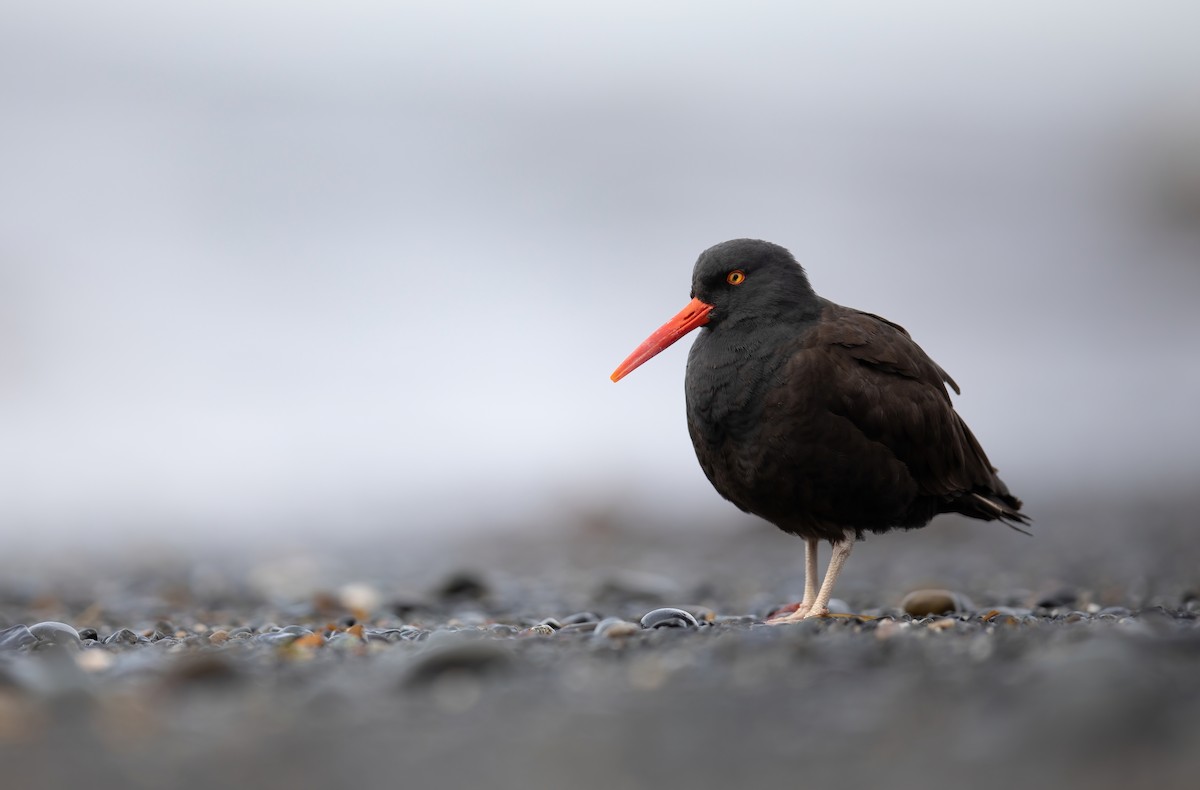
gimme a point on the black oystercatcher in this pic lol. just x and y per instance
(826, 421)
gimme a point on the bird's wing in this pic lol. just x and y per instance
(895, 395)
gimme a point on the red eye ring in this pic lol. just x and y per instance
(736, 277)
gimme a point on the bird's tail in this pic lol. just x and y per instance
(998, 506)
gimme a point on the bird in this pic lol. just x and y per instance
(826, 421)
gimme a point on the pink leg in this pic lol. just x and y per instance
(820, 605)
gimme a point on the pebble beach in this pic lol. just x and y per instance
(608, 655)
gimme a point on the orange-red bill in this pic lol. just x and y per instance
(689, 318)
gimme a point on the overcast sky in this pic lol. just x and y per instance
(263, 262)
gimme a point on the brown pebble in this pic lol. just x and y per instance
(309, 640)
(218, 637)
(924, 603)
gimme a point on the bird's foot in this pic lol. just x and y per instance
(794, 613)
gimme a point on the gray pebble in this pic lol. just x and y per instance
(124, 637)
(669, 618)
(343, 640)
(276, 638)
(1065, 596)
(298, 630)
(16, 637)
(838, 606)
(578, 628)
(503, 629)
(615, 628)
(54, 633)
(463, 585)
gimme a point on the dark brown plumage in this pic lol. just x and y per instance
(826, 421)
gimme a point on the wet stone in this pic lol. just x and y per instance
(1065, 596)
(578, 628)
(924, 603)
(1114, 611)
(669, 618)
(89, 633)
(16, 637)
(54, 633)
(344, 640)
(403, 607)
(838, 606)
(276, 638)
(615, 628)
(502, 629)
(580, 618)
(298, 630)
(463, 585)
(124, 637)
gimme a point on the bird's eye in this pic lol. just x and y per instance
(736, 277)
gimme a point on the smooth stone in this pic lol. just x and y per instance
(541, 629)
(581, 617)
(89, 633)
(344, 640)
(578, 628)
(615, 628)
(702, 613)
(1064, 596)
(924, 603)
(55, 633)
(276, 638)
(16, 637)
(838, 606)
(298, 630)
(124, 637)
(550, 621)
(472, 659)
(463, 585)
(503, 629)
(668, 617)
(360, 596)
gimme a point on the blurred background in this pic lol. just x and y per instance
(271, 269)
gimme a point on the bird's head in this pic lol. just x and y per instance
(743, 282)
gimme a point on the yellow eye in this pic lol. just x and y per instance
(736, 277)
